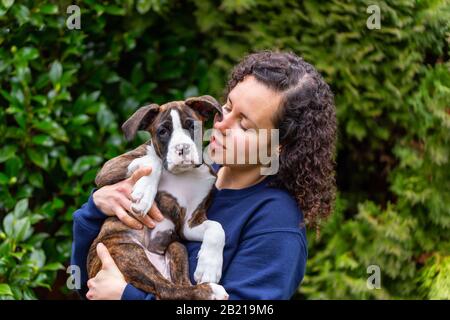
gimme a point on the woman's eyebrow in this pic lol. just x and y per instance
(245, 116)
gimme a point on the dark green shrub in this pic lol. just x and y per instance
(64, 93)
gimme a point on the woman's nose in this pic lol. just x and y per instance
(221, 123)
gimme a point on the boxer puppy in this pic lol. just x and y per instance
(180, 184)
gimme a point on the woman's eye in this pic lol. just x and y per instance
(242, 127)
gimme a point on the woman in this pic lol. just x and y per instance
(263, 216)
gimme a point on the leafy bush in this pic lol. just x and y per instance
(23, 263)
(63, 94)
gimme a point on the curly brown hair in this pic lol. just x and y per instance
(307, 128)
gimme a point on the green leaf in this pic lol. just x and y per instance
(28, 53)
(356, 129)
(43, 140)
(21, 13)
(13, 166)
(57, 203)
(80, 119)
(49, 9)
(36, 179)
(4, 288)
(8, 224)
(115, 10)
(52, 128)
(84, 163)
(39, 157)
(28, 294)
(143, 6)
(7, 3)
(22, 229)
(54, 266)
(20, 208)
(34, 218)
(38, 258)
(55, 72)
(105, 118)
(5, 247)
(4, 180)
(7, 152)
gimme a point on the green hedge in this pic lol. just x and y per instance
(64, 93)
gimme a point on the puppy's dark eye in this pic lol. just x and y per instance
(162, 132)
(189, 124)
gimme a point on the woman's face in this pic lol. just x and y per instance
(244, 133)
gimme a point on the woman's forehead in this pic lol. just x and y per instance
(255, 100)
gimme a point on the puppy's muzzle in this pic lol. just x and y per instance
(183, 149)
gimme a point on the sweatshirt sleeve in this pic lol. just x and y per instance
(267, 266)
(87, 222)
(133, 293)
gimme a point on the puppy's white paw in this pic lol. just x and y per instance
(218, 292)
(143, 196)
(137, 195)
(141, 207)
(209, 266)
(136, 164)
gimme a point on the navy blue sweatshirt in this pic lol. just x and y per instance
(265, 248)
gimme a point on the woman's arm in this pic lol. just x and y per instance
(87, 222)
(113, 200)
(267, 266)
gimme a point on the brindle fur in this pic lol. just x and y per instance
(132, 261)
(116, 169)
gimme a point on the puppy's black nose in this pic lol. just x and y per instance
(182, 149)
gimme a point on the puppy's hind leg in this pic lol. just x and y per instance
(179, 264)
(133, 262)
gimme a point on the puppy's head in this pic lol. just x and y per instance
(173, 127)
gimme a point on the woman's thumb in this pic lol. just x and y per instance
(104, 256)
(139, 173)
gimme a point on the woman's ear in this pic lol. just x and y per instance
(205, 106)
(140, 120)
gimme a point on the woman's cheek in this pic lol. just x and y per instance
(245, 148)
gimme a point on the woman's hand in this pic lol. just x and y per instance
(109, 282)
(115, 200)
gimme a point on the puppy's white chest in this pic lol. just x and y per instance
(189, 188)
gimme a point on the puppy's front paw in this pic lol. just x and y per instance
(209, 266)
(143, 197)
(141, 207)
(137, 195)
(218, 292)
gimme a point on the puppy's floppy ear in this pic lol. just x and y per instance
(205, 106)
(140, 120)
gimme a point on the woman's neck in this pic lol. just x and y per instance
(238, 177)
